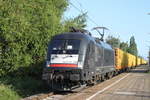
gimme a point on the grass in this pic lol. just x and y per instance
(15, 88)
(6, 93)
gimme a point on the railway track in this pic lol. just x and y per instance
(59, 95)
(84, 90)
(55, 95)
(40, 96)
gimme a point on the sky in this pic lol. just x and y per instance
(123, 18)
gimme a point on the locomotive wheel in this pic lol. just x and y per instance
(111, 74)
(99, 79)
(91, 82)
(103, 77)
(108, 75)
(114, 73)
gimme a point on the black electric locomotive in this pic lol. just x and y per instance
(76, 58)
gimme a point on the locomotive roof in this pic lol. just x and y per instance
(102, 44)
(73, 35)
(105, 45)
(79, 35)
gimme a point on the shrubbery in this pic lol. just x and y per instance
(26, 26)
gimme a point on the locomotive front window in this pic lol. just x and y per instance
(70, 46)
(58, 44)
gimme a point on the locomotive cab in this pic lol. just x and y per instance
(75, 59)
(65, 60)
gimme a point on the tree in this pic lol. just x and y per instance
(78, 22)
(124, 46)
(26, 26)
(114, 42)
(133, 47)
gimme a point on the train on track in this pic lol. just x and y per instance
(76, 58)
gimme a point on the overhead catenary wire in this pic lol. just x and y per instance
(78, 9)
(88, 17)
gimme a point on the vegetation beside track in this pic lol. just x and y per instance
(7, 93)
(15, 88)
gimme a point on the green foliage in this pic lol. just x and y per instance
(6, 93)
(26, 26)
(124, 46)
(13, 88)
(133, 47)
(78, 22)
(114, 42)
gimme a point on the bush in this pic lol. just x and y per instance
(22, 86)
(6, 93)
(26, 26)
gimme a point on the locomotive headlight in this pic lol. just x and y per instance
(47, 63)
(80, 65)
